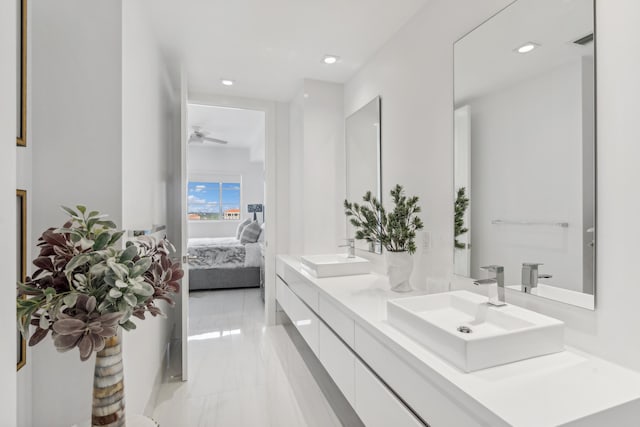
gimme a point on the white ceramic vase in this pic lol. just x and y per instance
(399, 268)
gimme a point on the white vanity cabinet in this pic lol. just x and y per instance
(374, 403)
(338, 321)
(425, 398)
(339, 362)
(301, 316)
(391, 380)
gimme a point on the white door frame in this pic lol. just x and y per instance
(271, 208)
(184, 234)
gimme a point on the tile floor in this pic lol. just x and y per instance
(241, 373)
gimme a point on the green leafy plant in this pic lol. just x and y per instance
(86, 285)
(396, 230)
(460, 207)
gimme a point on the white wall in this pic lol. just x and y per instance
(526, 165)
(150, 106)
(101, 124)
(75, 137)
(282, 178)
(219, 161)
(413, 73)
(618, 152)
(296, 168)
(317, 178)
(147, 94)
(8, 216)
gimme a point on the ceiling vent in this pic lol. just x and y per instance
(583, 41)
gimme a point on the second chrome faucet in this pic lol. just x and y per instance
(495, 285)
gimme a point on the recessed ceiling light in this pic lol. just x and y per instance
(527, 47)
(330, 59)
(227, 82)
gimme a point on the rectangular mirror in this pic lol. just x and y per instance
(524, 149)
(362, 141)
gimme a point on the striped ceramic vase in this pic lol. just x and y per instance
(108, 385)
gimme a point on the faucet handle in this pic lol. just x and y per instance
(493, 268)
(484, 282)
(532, 264)
(494, 293)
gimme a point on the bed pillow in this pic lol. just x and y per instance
(261, 238)
(241, 227)
(250, 233)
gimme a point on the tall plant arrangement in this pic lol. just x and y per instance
(395, 230)
(86, 285)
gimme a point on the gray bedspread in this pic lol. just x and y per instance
(222, 252)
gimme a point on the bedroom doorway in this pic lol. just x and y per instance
(225, 197)
(220, 135)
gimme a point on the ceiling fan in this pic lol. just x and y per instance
(199, 136)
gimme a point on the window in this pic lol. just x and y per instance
(213, 201)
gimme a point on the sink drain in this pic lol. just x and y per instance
(464, 329)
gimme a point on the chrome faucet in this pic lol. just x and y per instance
(495, 285)
(530, 276)
(351, 244)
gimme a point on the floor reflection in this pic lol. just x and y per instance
(241, 373)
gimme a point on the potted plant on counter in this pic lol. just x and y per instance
(395, 231)
(86, 288)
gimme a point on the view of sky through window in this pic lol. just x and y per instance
(213, 200)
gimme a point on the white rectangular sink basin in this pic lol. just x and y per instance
(463, 329)
(334, 265)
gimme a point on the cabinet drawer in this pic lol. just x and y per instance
(341, 324)
(376, 405)
(339, 362)
(303, 319)
(305, 291)
(427, 400)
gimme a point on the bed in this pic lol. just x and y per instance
(224, 263)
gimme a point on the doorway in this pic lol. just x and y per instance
(212, 127)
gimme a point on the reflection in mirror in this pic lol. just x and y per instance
(524, 149)
(362, 141)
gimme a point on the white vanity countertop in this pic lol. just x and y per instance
(550, 390)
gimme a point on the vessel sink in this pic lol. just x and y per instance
(462, 328)
(334, 265)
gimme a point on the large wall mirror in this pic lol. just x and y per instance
(362, 141)
(525, 149)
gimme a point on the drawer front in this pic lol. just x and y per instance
(305, 291)
(341, 324)
(303, 319)
(376, 405)
(282, 294)
(424, 398)
(339, 362)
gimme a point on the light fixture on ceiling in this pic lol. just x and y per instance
(527, 47)
(227, 82)
(330, 59)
